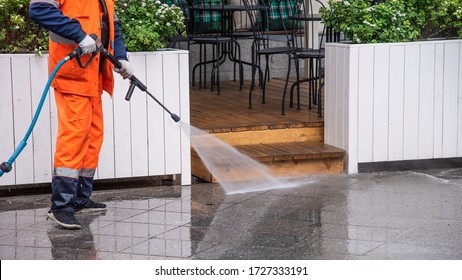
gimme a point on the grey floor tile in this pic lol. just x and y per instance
(385, 215)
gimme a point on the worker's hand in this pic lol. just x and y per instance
(87, 45)
(126, 71)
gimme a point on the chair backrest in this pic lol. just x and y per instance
(240, 19)
(279, 12)
(204, 21)
(310, 33)
(255, 16)
(272, 19)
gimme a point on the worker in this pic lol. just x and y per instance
(78, 96)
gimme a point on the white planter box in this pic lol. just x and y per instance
(395, 101)
(140, 138)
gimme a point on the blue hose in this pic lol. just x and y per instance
(6, 166)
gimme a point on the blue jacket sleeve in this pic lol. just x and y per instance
(119, 45)
(52, 19)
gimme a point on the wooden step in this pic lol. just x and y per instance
(272, 136)
(284, 159)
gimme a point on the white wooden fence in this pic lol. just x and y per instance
(140, 137)
(396, 101)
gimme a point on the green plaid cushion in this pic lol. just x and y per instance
(278, 17)
(176, 2)
(208, 16)
(207, 21)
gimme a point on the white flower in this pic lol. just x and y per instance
(168, 24)
(346, 3)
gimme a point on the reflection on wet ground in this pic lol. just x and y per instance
(389, 215)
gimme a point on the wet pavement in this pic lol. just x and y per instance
(387, 215)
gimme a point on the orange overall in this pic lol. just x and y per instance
(78, 99)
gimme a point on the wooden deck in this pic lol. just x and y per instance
(229, 110)
(290, 144)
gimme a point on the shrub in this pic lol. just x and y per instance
(368, 21)
(19, 34)
(146, 24)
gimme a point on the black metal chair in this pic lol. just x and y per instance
(263, 39)
(310, 48)
(209, 29)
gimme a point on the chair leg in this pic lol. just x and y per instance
(241, 68)
(310, 83)
(321, 85)
(204, 74)
(194, 68)
(254, 66)
(319, 100)
(219, 47)
(291, 96)
(285, 87)
(260, 72)
(264, 80)
(252, 85)
(234, 62)
(298, 82)
(212, 73)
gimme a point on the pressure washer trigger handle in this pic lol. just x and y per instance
(99, 45)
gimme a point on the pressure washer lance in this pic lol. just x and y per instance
(134, 82)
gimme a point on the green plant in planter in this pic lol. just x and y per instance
(19, 34)
(365, 21)
(146, 24)
(439, 18)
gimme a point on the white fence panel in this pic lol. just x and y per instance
(396, 106)
(411, 101)
(450, 99)
(407, 105)
(138, 121)
(22, 106)
(140, 139)
(6, 116)
(43, 154)
(366, 101)
(156, 119)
